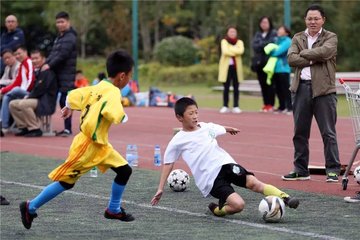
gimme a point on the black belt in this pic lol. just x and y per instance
(305, 81)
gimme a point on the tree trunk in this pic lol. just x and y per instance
(146, 40)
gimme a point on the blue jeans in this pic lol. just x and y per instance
(15, 93)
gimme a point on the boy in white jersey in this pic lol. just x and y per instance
(213, 169)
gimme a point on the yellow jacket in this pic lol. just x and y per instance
(227, 52)
(100, 106)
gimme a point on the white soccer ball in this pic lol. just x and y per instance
(357, 174)
(178, 180)
(272, 209)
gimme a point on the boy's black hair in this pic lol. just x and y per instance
(42, 54)
(182, 104)
(6, 50)
(79, 71)
(315, 7)
(62, 14)
(119, 61)
(23, 47)
(101, 76)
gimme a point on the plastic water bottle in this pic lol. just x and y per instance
(93, 172)
(157, 156)
(132, 155)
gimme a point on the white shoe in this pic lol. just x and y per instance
(5, 130)
(236, 110)
(224, 110)
(355, 199)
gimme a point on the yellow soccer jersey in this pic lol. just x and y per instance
(100, 106)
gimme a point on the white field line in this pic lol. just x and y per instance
(200, 215)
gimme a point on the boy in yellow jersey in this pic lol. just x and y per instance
(213, 169)
(100, 106)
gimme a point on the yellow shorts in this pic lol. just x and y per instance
(84, 154)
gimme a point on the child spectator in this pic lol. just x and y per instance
(11, 67)
(80, 80)
(21, 87)
(100, 76)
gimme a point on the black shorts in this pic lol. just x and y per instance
(229, 173)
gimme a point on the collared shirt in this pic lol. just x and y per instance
(305, 72)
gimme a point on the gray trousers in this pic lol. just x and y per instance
(323, 108)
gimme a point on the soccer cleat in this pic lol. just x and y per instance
(291, 202)
(354, 199)
(212, 206)
(293, 176)
(122, 216)
(26, 217)
(332, 177)
(3, 201)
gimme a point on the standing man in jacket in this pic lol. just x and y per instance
(62, 60)
(312, 54)
(14, 36)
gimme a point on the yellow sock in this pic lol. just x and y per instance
(220, 212)
(270, 190)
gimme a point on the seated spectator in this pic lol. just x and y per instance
(40, 102)
(100, 77)
(11, 67)
(127, 97)
(80, 80)
(21, 87)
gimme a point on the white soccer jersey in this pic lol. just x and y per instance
(201, 152)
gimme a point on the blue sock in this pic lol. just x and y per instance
(48, 193)
(115, 198)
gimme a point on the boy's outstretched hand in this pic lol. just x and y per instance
(66, 112)
(155, 200)
(232, 131)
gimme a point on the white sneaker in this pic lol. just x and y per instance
(236, 110)
(355, 199)
(5, 130)
(224, 110)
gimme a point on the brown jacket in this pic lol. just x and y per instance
(323, 56)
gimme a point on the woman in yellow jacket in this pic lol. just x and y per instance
(230, 68)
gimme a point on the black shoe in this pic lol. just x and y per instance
(22, 132)
(1, 134)
(122, 216)
(34, 133)
(291, 202)
(332, 177)
(212, 206)
(3, 201)
(64, 133)
(26, 217)
(293, 176)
